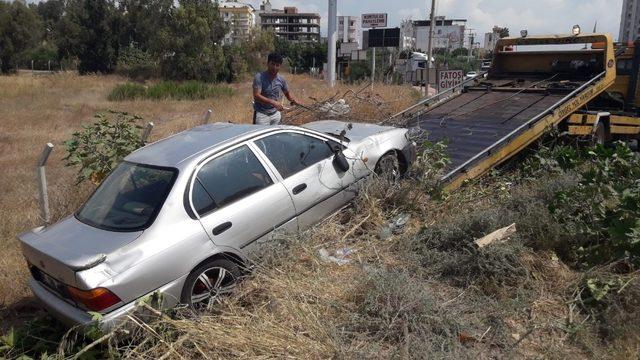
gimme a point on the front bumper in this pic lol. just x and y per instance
(74, 316)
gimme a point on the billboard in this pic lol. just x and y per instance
(384, 37)
(449, 78)
(374, 20)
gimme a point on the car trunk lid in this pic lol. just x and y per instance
(69, 246)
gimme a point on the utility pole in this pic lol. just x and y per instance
(471, 40)
(430, 47)
(332, 37)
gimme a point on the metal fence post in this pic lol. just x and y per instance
(207, 116)
(42, 184)
(147, 132)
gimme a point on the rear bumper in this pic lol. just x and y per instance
(73, 316)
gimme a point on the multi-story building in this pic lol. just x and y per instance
(448, 33)
(290, 24)
(490, 39)
(630, 21)
(407, 35)
(349, 29)
(240, 17)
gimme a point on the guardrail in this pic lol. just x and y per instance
(435, 97)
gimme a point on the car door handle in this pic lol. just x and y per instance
(298, 189)
(221, 228)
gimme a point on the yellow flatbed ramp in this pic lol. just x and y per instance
(525, 93)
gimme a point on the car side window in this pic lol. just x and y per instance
(228, 178)
(293, 152)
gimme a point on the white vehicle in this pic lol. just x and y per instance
(471, 74)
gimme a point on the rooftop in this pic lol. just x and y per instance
(282, 14)
(234, 4)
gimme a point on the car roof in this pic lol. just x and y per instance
(174, 150)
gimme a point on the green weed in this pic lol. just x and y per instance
(189, 90)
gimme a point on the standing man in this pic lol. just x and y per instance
(268, 87)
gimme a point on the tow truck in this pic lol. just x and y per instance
(614, 114)
(534, 83)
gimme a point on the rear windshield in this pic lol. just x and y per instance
(129, 198)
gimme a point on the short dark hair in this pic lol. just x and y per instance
(275, 58)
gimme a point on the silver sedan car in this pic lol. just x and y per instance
(183, 216)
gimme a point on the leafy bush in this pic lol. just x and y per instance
(136, 63)
(603, 207)
(99, 147)
(359, 70)
(189, 90)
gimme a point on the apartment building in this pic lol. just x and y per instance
(240, 17)
(491, 39)
(289, 23)
(630, 21)
(448, 33)
(349, 29)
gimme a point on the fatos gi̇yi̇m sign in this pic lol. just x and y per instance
(449, 78)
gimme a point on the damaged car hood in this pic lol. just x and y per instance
(358, 132)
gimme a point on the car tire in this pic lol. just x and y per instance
(204, 287)
(388, 167)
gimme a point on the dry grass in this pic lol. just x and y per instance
(426, 293)
(38, 109)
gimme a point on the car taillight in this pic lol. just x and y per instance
(95, 300)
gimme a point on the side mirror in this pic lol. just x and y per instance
(340, 161)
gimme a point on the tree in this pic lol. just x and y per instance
(142, 20)
(302, 55)
(190, 46)
(51, 12)
(99, 40)
(502, 32)
(20, 31)
(68, 31)
(460, 52)
(91, 30)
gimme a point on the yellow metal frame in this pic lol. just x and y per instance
(582, 124)
(560, 113)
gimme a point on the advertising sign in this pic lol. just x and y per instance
(374, 20)
(449, 78)
(384, 37)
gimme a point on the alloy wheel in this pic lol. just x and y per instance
(209, 286)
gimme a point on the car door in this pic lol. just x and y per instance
(239, 201)
(304, 161)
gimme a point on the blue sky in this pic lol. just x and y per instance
(538, 16)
